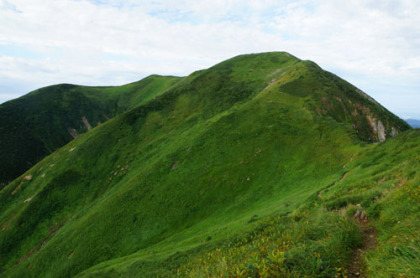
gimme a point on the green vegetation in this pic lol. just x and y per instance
(36, 124)
(252, 168)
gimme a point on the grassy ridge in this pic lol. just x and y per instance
(317, 238)
(36, 124)
(233, 154)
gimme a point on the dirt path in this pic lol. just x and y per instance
(340, 180)
(369, 241)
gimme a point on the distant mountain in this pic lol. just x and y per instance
(38, 123)
(260, 166)
(413, 123)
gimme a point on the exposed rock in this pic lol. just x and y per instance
(73, 132)
(377, 127)
(381, 132)
(87, 124)
(393, 132)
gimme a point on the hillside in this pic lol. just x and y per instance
(38, 123)
(252, 168)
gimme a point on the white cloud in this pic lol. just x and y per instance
(373, 45)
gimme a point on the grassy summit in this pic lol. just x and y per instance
(253, 167)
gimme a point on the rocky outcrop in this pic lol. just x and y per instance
(379, 129)
(73, 132)
(87, 124)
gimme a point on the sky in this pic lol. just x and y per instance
(375, 45)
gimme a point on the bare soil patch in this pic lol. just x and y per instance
(356, 267)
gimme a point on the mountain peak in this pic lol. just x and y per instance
(236, 170)
(324, 93)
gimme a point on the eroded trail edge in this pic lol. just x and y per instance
(357, 267)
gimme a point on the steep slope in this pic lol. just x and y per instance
(200, 166)
(340, 100)
(36, 124)
(379, 190)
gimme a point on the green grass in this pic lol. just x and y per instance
(38, 123)
(215, 174)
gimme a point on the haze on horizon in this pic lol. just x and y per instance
(375, 46)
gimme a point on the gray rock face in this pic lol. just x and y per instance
(381, 132)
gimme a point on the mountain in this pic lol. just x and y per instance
(413, 123)
(38, 123)
(260, 166)
(35, 125)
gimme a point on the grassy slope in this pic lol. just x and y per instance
(36, 124)
(385, 182)
(209, 163)
(317, 239)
